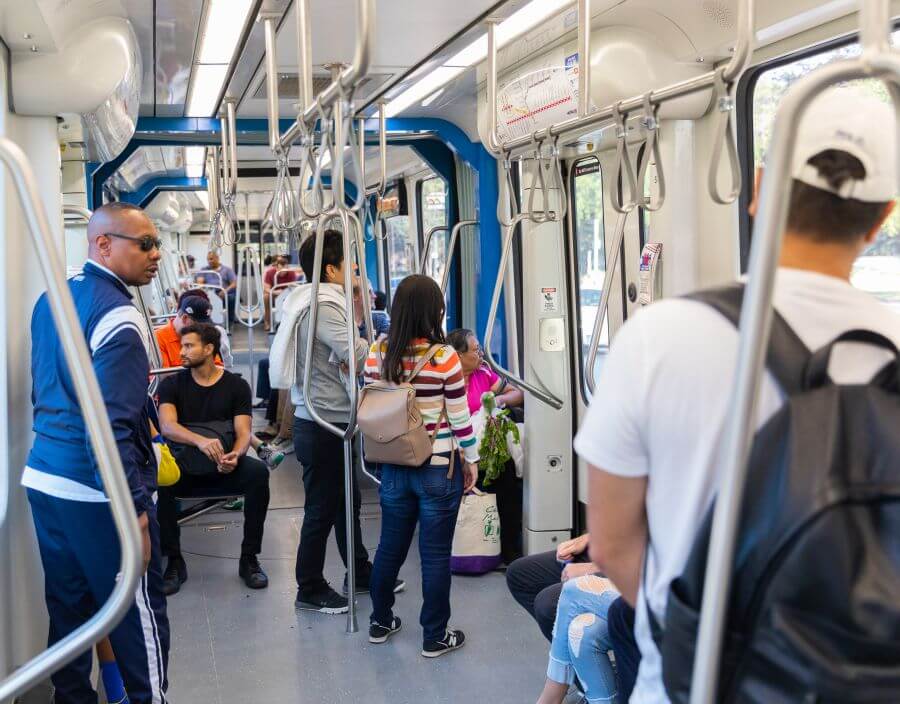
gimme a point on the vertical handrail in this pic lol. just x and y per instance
(359, 245)
(599, 318)
(541, 393)
(249, 295)
(451, 248)
(426, 245)
(584, 57)
(876, 61)
(103, 443)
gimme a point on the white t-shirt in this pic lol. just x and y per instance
(662, 401)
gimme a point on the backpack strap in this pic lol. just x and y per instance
(817, 371)
(420, 365)
(786, 357)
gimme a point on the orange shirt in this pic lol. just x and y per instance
(169, 343)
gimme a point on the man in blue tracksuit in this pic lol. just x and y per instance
(76, 534)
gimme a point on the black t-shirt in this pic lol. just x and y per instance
(229, 397)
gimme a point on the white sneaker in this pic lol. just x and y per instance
(285, 445)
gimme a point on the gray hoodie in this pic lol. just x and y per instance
(328, 390)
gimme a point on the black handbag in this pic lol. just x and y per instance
(191, 459)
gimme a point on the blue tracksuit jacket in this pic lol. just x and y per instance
(118, 340)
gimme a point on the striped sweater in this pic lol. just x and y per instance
(439, 384)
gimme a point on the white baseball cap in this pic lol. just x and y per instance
(847, 119)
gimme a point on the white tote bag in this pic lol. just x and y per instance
(476, 542)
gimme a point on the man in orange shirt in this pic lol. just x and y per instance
(196, 309)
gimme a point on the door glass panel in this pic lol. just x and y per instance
(590, 246)
(401, 250)
(434, 213)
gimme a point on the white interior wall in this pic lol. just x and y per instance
(23, 620)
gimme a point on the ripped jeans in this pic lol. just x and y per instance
(581, 638)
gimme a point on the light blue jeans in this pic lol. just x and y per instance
(581, 640)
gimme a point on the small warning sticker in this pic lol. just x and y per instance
(549, 300)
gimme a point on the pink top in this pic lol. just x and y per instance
(481, 380)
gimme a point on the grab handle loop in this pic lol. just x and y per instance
(724, 140)
(650, 122)
(623, 163)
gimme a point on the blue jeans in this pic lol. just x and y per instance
(422, 495)
(581, 638)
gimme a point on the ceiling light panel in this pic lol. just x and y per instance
(521, 21)
(222, 29)
(205, 89)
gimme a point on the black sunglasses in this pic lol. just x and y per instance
(146, 243)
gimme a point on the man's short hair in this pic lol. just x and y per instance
(827, 217)
(332, 253)
(208, 334)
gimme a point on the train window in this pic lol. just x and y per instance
(590, 251)
(401, 250)
(878, 269)
(433, 209)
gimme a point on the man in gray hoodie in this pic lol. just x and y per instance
(319, 451)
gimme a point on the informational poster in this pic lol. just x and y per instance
(538, 99)
(549, 300)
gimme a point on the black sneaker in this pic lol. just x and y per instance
(174, 576)
(362, 586)
(452, 640)
(380, 634)
(252, 574)
(327, 601)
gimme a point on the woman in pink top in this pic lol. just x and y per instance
(479, 376)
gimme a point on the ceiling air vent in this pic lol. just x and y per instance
(288, 88)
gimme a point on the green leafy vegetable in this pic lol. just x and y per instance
(494, 450)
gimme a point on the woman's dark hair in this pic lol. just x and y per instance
(208, 334)
(332, 253)
(380, 300)
(268, 260)
(826, 217)
(459, 338)
(417, 311)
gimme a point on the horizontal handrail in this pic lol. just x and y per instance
(426, 245)
(100, 434)
(163, 371)
(451, 248)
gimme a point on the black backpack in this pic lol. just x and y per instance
(814, 609)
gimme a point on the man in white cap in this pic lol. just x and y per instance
(659, 410)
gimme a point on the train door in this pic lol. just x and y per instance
(592, 222)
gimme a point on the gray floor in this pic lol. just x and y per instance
(234, 645)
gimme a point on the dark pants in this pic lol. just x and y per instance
(321, 453)
(231, 298)
(80, 554)
(508, 488)
(250, 478)
(425, 496)
(534, 582)
(263, 389)
(620, 619)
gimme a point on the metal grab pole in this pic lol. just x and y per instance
(451, 248)
(103, 443)
(596, 332)
(250, 285)
(584, 57)
(541, 394)
(427, 245)
(756, 319)
(359, 245)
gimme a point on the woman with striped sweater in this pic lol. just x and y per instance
(428, 495)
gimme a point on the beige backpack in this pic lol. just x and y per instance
(390, 421)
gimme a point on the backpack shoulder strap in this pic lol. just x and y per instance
(420, 365)
(786, 357)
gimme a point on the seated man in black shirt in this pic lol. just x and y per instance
(205, 414)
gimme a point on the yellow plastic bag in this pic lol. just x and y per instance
(168, 472)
